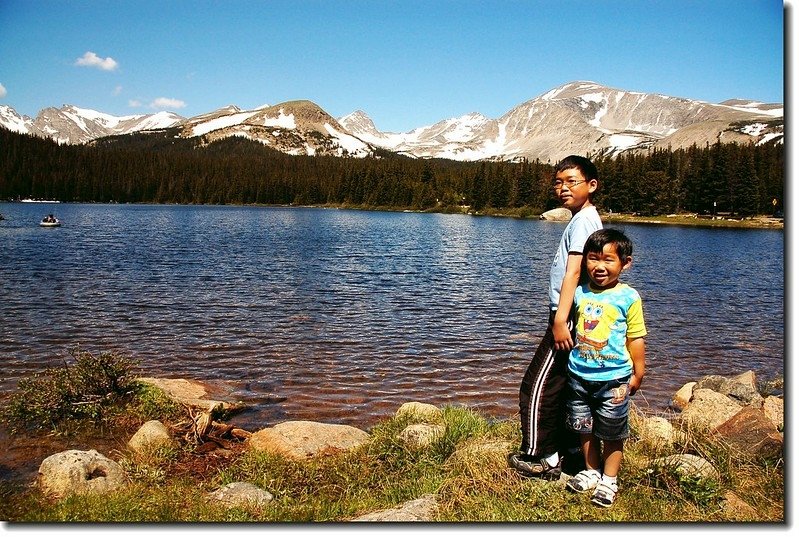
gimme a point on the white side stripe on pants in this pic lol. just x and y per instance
(535, 399)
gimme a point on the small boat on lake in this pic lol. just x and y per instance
(31, 200)
(50, 221)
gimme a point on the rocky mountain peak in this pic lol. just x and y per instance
(580, 117)
(296, 127)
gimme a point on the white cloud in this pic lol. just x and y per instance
(90, 59)
(117, 90)
(3, 91)
(134, 103)
(166, 102)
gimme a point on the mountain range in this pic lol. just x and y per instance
(576, 118)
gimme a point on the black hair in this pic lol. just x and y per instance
(585, 166)
(598, 239)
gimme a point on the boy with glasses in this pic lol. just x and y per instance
(540, 395)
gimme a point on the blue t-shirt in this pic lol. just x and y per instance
(605, 319)
(582, 224)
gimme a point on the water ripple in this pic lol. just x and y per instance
(344, 315)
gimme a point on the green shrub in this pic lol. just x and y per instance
(151, 403)
(78, 391)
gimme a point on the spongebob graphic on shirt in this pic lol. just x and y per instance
(605, 319)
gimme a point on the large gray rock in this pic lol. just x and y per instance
(80, 472)
(419, 510)
(301, 440)
(151, 436)
(742, 388)
(420, 435)
(561, 214)
(193, 393)
(420, 411)
(774, 408)
(682, 398)
(240, 494)
(752, 433)
(688, 465)
(708, 409)
(657, 432)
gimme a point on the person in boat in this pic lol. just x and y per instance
(49, 218)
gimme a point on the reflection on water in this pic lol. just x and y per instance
(342, 316)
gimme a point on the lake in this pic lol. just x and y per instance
(343, 315)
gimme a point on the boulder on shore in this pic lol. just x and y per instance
(561, 214)
(152, 435)
(192, 393)
(419, 510)
(301, 440)
(741, 388)
(682, 398)
(240, 494)
(421, 435)
(708, 409)
(420, 411)
(752, 433)
(734, 411)
(688, 465)
(80, 472)
(774, 408)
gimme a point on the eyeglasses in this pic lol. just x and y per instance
(571, 183)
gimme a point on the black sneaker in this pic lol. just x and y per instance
(572, 463)
(537, 468)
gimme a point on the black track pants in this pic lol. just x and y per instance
(541, 402)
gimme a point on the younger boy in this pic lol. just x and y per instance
(541, 393)
(607, 364)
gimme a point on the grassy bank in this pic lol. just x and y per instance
(692, 220)
(465, 468)
(757, 222)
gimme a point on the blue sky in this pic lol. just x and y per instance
(405, 63)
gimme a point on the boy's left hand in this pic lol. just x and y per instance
(635, 383)
(562, 335)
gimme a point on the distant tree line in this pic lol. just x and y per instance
(159, 168)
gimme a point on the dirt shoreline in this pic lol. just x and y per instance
(757, 222)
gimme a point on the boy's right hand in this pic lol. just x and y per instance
(562, 335)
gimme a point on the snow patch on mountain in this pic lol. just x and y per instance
(220, 123)
(283, 120)
(352, 145)
(10, 119)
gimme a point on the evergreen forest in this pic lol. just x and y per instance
(740, 180)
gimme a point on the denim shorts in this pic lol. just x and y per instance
(600, 407)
